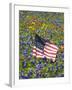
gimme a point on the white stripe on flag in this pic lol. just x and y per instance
(52, 45)
(50, 48)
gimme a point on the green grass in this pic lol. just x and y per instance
(48, 25)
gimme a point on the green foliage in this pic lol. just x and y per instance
(49, 25)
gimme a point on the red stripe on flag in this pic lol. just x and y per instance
(54, 53)
(49, 51)
(52, 56)
(52, 46)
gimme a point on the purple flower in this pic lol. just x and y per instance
(31, 51)
(63, 56)
(20, 77)
(61, 66)
(29, 42)
(39, 62)
(25, 52)
(30, 73)
(38, 75)
(33, 62)
(56, 67)
(52, 68)
(28, 37)
(44, 58)
(29, 57)
(21, 43)
(22, 73)
(21, 36)
(31, 54)
(60, 75)
(58, 20)
(39, 66)
(24, 64)
(54, 22)
(24, 77)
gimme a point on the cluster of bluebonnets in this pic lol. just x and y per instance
(47, 25)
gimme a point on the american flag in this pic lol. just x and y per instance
(43, 48)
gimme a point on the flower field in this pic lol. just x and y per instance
(48, 25)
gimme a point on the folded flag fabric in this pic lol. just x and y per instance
(43, 48)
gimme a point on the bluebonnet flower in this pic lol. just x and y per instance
(61, 66)
(24, 64)
(45, 59)
(59, 20)
(38, 75)
(58, 24)
(30, 73)
(24, 77)
(60, 75)
(33, 62)
(31, 53)
(56, 67)
(20, 77)
(25, 42)
(21, 36)
(54, 22)
(28, 37)
(29, 42)
(62, 56)
(52, 68)
(22, 73)
(39, 62)
(21, 43)
(29, 57)
(26, 49)
(39, 66)
(25, 52)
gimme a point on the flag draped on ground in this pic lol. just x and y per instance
(43, 48)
